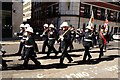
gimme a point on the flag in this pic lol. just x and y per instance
(91, 21)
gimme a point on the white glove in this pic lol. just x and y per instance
(37, 33)
(56, 42)
(22, 40)
(15, 33)
(41, 35)
(61, 37)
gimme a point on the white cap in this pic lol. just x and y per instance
(89, 27)
(29, 29)
(64, 24)
(22, 25)
(45, 25)
(27, 25)
(51, 26)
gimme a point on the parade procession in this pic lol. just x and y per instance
(65, 36)
(60, 40)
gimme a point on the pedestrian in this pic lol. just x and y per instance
(101, 41)
(45, 37)
(30, 49)
(52, 35)
(4, 65)
(87, 41)
(65, 39)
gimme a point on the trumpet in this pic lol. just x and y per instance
(44, 32)
(63, 34)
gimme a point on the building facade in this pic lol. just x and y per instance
(6, 19)
(27, 10)
(12, 16)
(17, 16)
(76, 13)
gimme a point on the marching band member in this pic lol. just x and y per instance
(45, 37)
(65, 40)
(30, 49)
(52, 35)
(101, 41)
(87, 41)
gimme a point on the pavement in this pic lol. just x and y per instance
(107, 67)
(16, 42)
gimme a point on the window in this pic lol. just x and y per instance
(109, 15)
(95, 12)
(114, 16)
(102, 14)
(119, 17)
(87, 11)
(55, 9)
(82, 9)
(115, 29)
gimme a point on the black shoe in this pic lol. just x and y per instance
(89, 58)
(38, 64)
(4, 68)
(61, 63)
(56, 54)
(70, 61)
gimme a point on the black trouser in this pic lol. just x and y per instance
(20, 47)
(101, 46)
(4, 63)
(29, 54)
(45, 43)
(87, 53)
(65, 53)
(59, 47)
(51, 44)
(71, 44)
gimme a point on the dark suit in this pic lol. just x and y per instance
(65, 44)
(30, 47)
(87, 41)
(52, 35)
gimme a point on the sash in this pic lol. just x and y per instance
(103, 38)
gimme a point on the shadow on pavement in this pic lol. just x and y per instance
(9, 55)
(57, 57)
(96, 51)
(97, 60)
(49, 57)
(114, 49)
(33, 67)
(59, 66)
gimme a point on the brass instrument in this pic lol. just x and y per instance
(64, 33)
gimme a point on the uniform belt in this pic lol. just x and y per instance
(20, 36)
(87, 40)
(28, 46)
(51, 38)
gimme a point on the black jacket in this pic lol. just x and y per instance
(87, 39)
